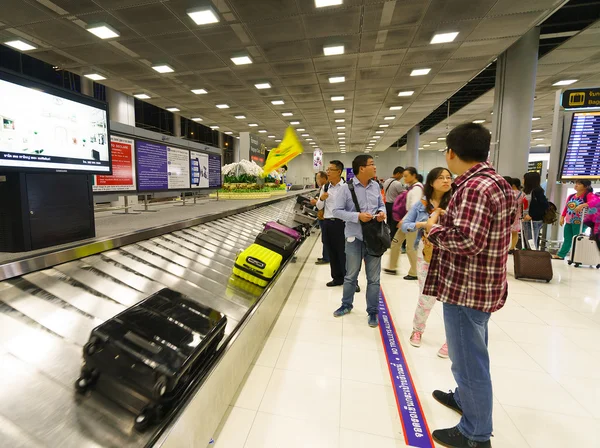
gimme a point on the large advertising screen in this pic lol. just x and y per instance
(123, 164)
(46, 128)
(582, 155)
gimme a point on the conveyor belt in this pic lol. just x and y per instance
(46, 316)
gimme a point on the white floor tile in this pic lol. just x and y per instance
(565, 360)
(270, 352)
(304, 396)
(281, 327)
(356, 439)
(585, 390)
(312, 358)
(368, 366)
(510, 354)
(234, 432)
(253, 388)
(532, 333)
(318, 331)
(362, 336)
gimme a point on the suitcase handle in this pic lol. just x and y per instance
(143, 343)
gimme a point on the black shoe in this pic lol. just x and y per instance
(357, 288)
(452, 438)
(321, 261)
(447, 399)
(334, 283)
(390, 271)
(410, 277)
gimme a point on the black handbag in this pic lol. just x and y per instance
(376, 234)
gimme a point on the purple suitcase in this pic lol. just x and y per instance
(283, 229)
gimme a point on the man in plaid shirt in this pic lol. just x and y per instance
(468, 274)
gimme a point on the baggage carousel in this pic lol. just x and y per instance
(50, 303)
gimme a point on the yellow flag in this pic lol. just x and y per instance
(289, 148)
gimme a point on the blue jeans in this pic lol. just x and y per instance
(356, 251)
(537, 227)
(467, 337)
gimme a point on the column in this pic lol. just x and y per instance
(87, 86)
(513, 105)
(412, 147)
(244, 147)
(554, 189)
(121, 107)
(176, 125)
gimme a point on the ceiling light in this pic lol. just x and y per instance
(103, 31)
(228, 132)
(406, 93)
(214, 126)
(426, 146)
(340, 120)
(337, 79)
(277, 102)
(240, 117)
(537, 130)
(252, 125)
(341, 133)
(172, 109)
(20, 45)
(443, 38)
(241, 60)
(372, 141)
(197, 119)
(341, 138)
(263, 85)
(377, 136)
(262, 131)
(203, 16)
(199, 91)
(396, 107)
(420, 71)
(305, 135)
(433, 143)
(478, 121)
(535, 118)
(278, 140)
(222, 106)
(337, 98)
(541, 145)
(300, 129)
(162, 68)
(287, 114)
(333, 50)
(384, 125)
(339, 111)
(325, 3)
(379, 132)
(441, 138)
(565, 82)
(391, 117)
(294, 123)
(310, 140)
(539, 139)
(142, 96)
(341, 127)
(95, 77)
(271, 136)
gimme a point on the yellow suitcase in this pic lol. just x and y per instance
(257, 264)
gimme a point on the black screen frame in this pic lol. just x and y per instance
(26, 81)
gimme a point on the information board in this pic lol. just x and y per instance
(178, 168)
(582, 155)
(151, 166)
(199, 171)
(123, 177)
(214, 171)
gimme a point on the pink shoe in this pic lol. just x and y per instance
(415, 338)
(443, 352)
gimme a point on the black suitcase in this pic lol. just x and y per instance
(145, 357)
(277, 242)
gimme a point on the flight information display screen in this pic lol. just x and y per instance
(582, 156)
(48, 129)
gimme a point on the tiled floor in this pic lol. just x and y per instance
(323, 382)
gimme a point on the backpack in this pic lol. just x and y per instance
(399, 208)
(551, 214)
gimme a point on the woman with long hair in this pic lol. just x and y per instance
(571, 217)
(438, 191)
(535, 205)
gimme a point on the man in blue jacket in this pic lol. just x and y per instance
(372, 207)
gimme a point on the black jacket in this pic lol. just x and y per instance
(539, 204)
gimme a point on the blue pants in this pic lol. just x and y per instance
(467, 337)
(356, 251)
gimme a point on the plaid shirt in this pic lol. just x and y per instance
(471, 242)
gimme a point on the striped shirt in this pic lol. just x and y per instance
(471, 241)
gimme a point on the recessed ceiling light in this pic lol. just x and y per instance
(95, 77)
(240, 117)
(103, 31)
(278, 140)
(337, 79)
(339, 111)
(337, 98)
(341, 127)
(384, 125)
(294, 123)
(325, 3)
(391, 117)
(332, 50)
(443, 38)
(203, 16)
(535, 118)
(162, 68)
(214, 126)
(340, 120)
(172, 109)
(441, 138)
(478, 121)
(379, 132)
(277, 102)
(199, 91)
(396, 107)
(341, 133)
(426, 146)
(433, 143)
(372, 141)
(310, 140)
(377, 136)
(197, 119)
(341, 138)
(271, 136)
(252, 125)
(228, 132)
(222, 106)
(287, 114)
(538, 139)
(537, 130)
(263, 85)
(262, 131)
(420, 71)
(305, 135)
(241, 60)
(142, 96)
(406, 93)
(300, 129)
(565, 82)
(20, 45)
(540, 145)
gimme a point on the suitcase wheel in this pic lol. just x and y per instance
(86, 380)
(142, 421)
(91, 347)
(577, 265)
(547, 281)
(160, 387)
(598, 266)
(569, 262)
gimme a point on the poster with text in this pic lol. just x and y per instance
(214, 171)
(178, 163)
(151, 166)
(123, 178)
(199, 170)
